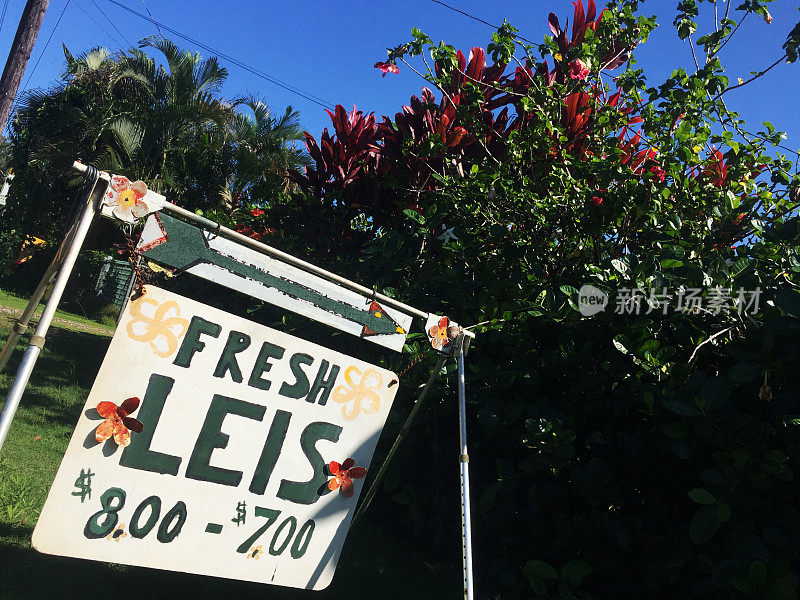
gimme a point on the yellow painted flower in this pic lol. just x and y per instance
(159, 324)
(255, 552)
(360, 394)
(117, 534)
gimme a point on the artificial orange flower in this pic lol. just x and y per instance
(117, 422)
(343, 476)
(442, 334)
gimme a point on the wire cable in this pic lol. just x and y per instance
(122, 35)
(474, 18)
(147, 8)
(307, 95)
(3, 14)
(107, 32)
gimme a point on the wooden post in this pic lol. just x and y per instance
(29, 25)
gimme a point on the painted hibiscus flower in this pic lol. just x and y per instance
(343, 476)
(442, 334)
(126, 199)
(117, 422)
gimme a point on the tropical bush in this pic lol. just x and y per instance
(649, 449)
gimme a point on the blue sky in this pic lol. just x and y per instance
(327, 48)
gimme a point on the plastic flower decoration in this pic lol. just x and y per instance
(442, 334)
(343, 475)
(360, 392)
(117, 422)
(127, 199)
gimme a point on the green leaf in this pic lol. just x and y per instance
(620, 342)
(537, 570)
(619, 266)
(701, 496)
(739, 266)
(671, 263)
(723, 512)
(568, 290)
(414, 215)
(704, 524)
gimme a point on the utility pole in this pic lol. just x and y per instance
(21, 49)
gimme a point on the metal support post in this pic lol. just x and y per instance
(466, 521)
(373, 487)
(95, 197)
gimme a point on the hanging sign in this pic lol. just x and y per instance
(186, 247)
(210, 444)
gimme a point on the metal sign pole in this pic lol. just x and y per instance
(36, 343)
(373, 487)
(466, 521)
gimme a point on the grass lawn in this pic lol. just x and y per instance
(63, 319)
(374, 563)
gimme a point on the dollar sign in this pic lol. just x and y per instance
(84, 485)
(241, 512)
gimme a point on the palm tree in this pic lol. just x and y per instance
(51, 128)
(166, 111)
(262, 150)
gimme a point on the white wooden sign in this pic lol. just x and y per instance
(229, 474)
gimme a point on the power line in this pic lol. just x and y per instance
(122, 35)
(474, 18)
(3, 14)
(47, 43)
(107, 32)
(307, 95)
(147, 8)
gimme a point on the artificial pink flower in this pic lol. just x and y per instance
(387, 67)
(578, 69)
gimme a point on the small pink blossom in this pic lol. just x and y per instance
(387, 67)
(578, 69)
